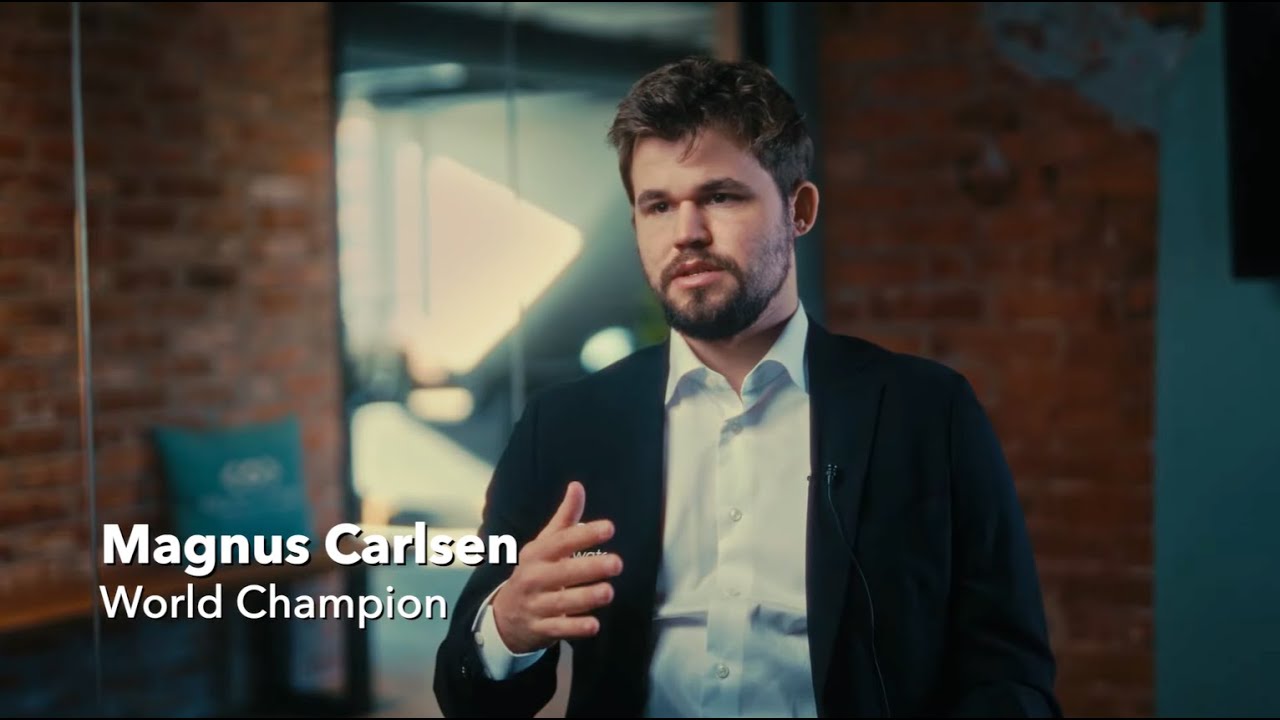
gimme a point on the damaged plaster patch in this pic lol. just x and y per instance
(1109, 54)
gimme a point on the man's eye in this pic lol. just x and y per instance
(720, 198)
(658, 207)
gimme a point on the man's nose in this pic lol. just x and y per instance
(691, 226)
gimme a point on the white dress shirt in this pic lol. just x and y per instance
(730, 622)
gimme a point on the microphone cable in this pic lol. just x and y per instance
(829, 475)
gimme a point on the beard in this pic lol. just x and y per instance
(705, 315)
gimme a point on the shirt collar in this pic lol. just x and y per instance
(787, 352)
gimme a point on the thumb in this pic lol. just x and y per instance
(570, 510)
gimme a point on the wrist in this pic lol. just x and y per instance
(510, 640)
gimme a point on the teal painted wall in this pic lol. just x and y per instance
(1217, 450)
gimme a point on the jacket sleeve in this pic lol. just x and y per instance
(999, 660)
(516, 504)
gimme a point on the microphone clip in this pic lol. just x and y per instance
(829, 473)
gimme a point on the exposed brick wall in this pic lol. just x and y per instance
(39, 440)
(1007, 226)
(211, 232)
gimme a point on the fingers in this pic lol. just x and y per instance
(572, 601)
(567, 627)
(570, 510)
(564, 543)
(576, 571)
(550, 595)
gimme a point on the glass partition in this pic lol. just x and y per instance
(48, 636)
(486, 253)
(218, 433)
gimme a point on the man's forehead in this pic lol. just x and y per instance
(688, 163)
(706, 145)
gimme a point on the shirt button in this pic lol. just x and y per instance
(735, 427)
(732, 592)
(735, 514)
(722, 671)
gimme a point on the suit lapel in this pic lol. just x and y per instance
(844, 406)
(628, 453)
(636, 460)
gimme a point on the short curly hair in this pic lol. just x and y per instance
(742, 99)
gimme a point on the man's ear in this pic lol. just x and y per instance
(804, 207)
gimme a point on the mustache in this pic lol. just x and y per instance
(672, 268)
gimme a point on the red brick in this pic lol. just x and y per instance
(931, 82)
(311, 384)
(25, 244)
(309, 163)
(879, 124)
(280, 247)
(136, 340)
(123, 460)
(320, 433)
(284, 218)
(41, 343)
(926, 305)
(315, 273)
(1122, 669)
(1126, 174)
(281, 301)
(138, 398)
(51, 215)
(945, 267)
(881, 270)
(1040, 347)
(62, 539)
(1184, 15)
(1062, 250)
(932, 155)
(281, 359)
(204, 395)
(145, 217)
(1016, 304)
(1090, 545)
(132, 279)
(12, 148)
(32, 506)
(47, 471)
(208, 276)
(33, 441)
(15, 378)
(948, 227)
(183, 366)
(43, 409)
(864, 48)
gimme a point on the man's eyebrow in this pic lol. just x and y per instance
(649, 196)
(723, 184)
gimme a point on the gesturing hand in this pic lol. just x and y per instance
(548, 594)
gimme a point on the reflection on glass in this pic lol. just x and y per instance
(491, 255)
(607, 347)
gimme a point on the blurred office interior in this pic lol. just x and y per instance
(349, 241)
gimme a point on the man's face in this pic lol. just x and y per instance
(713, 237)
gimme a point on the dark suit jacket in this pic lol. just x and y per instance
(921, 488)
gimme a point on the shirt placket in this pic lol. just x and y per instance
(728, 616)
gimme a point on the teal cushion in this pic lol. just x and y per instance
(245, 480)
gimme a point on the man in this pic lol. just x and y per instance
(757, 517)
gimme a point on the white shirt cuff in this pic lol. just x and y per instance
(499, 662)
